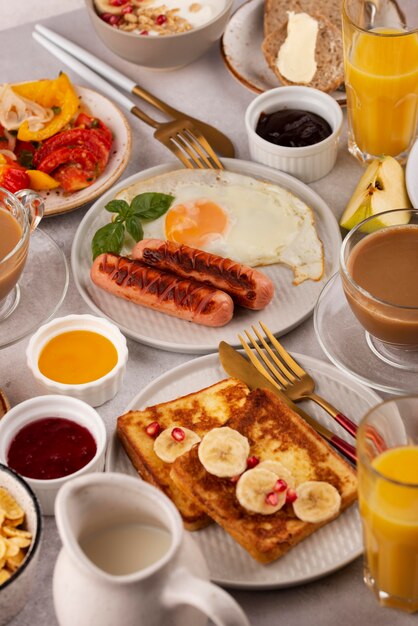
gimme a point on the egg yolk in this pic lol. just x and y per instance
(195, 222)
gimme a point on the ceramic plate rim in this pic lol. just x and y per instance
(182, 371)
(259, 171)
(409, 174)
(104, 181)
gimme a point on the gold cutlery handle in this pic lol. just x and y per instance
(156, 102)
(144, 117)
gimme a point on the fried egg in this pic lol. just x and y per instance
(250, 221)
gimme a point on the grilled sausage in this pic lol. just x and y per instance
(161, 291)
(246, 286)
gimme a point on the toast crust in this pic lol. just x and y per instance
(274, 432)
(199, 411)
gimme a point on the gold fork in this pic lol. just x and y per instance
(184, 139)
(288, 375)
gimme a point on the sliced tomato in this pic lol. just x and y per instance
(13, 178)
(77, 137)
(72, 177)
(87, 121)
(24, 150)
(85, 159)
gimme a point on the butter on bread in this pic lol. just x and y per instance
(274, 432)
(200, 411)
(275, 11)
(328, 53)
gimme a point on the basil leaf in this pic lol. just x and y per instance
(118, 206)
(109, 238)
(150, 205)
(134, 228)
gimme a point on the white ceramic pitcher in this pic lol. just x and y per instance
(173, 591)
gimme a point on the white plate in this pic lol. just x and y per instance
(412, 175)
(241, 49)
(290, 306)
(56, 200)
(328, 549)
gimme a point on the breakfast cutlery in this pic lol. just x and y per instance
(4, 404)
(288, 376)
(220, 142)
(180, 136)
(236, 365)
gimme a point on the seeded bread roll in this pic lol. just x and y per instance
(328, 54)
(275, 11)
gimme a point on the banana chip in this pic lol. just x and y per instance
(9, 505)
(13, 540)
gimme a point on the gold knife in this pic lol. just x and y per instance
(236, 365)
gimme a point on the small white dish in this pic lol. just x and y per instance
(94, 103)
(95, 392)
(14, 592)
(307, 163)
(343, 339)
(53, 406)
(411, 175)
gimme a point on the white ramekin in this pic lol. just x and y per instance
(97, 391)
(53, 406)
(309, 162)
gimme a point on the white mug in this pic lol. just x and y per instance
(173, 590)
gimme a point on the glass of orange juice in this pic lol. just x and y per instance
(387, 455)
(381, 78)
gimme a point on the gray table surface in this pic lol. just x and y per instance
(205, 87)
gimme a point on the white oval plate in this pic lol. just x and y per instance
(290, 306)
(56, 200)
(328, 549)
(241, 49)
(412, 175)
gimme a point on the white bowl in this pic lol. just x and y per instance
(307, 163)
(15, 592)
(53, 406)
(97, 391)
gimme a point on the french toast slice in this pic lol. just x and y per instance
(275, 432)
(200, 411)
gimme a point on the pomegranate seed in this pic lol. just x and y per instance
(281, 485)
(128, 9)
(106, 17)
(153, 429)
(272, 498)
(178, 434)
(114, 20)
(118, 3)
(291, 496)
(143, 32)
(252, 461)
(160, 19)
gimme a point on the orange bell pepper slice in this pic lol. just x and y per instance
(58, 92)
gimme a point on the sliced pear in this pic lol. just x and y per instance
(381, 188)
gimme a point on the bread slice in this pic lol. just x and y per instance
(275, 11)
(200, 411)
(328, 54)
(274, 432)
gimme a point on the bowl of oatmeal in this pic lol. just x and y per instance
(159, 34)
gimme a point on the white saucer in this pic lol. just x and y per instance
(344, 341)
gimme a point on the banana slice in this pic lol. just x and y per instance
(255, 491)
(223, 452)
(280, 470)
(169, 447)
(104, 6)
(317, 501)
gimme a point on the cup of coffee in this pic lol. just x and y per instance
(20, 213)
(126, 559)
(378, 263)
